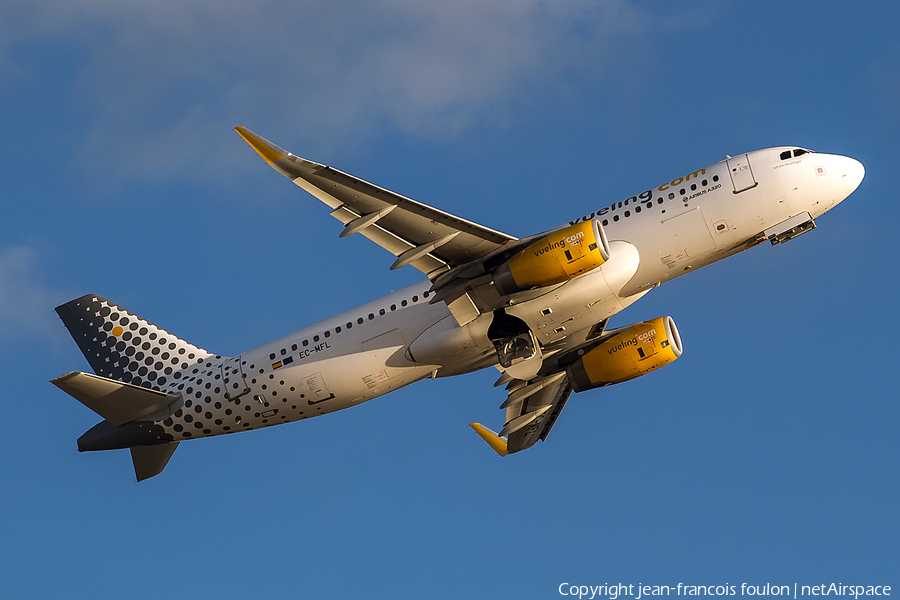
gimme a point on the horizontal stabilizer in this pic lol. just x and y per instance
(151, 460)
(117, 402)
(494, 441)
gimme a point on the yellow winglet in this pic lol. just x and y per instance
(264, 147)
(495, 441)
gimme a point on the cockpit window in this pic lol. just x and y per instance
(796, 152)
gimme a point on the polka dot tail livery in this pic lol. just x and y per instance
(120, 345)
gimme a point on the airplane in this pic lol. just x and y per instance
(535, 308)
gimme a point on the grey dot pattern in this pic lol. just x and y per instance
(120, 345)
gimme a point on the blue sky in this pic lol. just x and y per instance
(767, 454)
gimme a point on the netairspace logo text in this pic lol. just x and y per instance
(639, 591)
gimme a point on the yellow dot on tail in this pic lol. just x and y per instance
(117, 331)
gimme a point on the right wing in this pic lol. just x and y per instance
(431, 240)
(532, 408)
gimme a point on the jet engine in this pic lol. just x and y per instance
(631, 353)
(554, 258)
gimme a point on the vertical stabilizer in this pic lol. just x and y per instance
(120, 345)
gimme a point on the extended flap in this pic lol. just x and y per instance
(117, 402)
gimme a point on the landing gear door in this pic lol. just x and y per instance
(233, 378)
(741, 173)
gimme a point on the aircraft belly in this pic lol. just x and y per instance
(340, 382)
(301, 375)
(699, 236)
(291, 394)
(684, 238)
(455, 349)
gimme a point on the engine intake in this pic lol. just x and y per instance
(636, 351)
(554, 258)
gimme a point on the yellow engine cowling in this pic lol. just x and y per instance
(636, 351)
(554, 258)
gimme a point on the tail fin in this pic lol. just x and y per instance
(128, 353)
(120, 345)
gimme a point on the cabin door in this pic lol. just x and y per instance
(233, 378)
(741, 173)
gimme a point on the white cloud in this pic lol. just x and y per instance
(172, 78)
(25, 301)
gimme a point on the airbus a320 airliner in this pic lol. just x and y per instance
(535, 308)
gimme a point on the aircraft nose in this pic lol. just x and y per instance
(854, 172)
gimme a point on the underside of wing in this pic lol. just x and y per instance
(532, 408)
(429, 239)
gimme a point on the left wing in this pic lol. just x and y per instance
(429, 239)
(532, 408)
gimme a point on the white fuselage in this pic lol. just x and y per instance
(657, 235)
